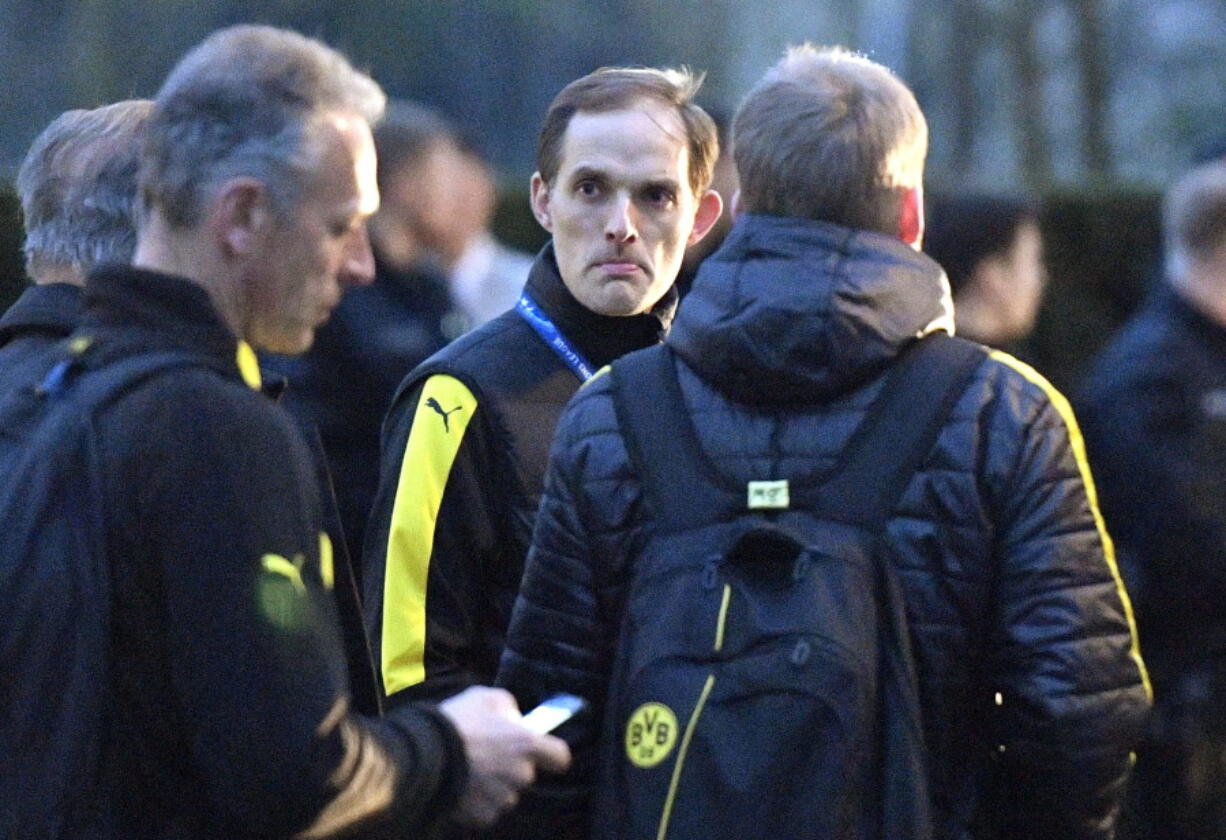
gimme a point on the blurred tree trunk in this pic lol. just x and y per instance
(965, 56)
(1091, 57)
(1035, 150)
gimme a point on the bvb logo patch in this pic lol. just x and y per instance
(650, 734)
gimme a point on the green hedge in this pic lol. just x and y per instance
(513, 221)
(1102, 251)
(12, 269)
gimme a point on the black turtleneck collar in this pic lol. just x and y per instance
(599, 338)
(1211, 332)
(53, 308)
(149, 307)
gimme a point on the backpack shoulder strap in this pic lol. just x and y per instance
(899, 430)
(680, 484)
(97, 386)
(884, 453)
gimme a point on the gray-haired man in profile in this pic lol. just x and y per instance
(77, 187)
(227, 698)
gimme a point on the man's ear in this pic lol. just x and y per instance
(911, 218)
(240, 215)
(540, 202)
(709, 208)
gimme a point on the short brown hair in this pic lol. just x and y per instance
(615, 88)
(829, 135)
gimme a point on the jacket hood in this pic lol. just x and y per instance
(791, 311)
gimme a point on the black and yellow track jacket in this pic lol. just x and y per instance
(229, 701)
(465, 446)
(30, 333)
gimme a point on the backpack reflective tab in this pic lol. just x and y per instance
(764, 685)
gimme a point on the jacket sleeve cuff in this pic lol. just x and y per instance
(439, 755)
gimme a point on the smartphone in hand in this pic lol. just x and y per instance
(554, 712)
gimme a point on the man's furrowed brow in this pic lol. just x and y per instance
(587, 172)
(670, 185)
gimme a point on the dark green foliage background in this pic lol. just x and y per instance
(12, 270)
(1102, 252)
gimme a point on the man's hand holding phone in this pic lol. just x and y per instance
(504, 748)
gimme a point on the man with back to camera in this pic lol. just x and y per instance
(1006, 572)
(1154, 408)
(77, 187)
(228, 705)
(624, 161)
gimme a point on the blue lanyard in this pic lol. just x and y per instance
(552, 336)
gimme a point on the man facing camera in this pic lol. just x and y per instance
(624, 162)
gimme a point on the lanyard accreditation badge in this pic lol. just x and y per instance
(551, 335)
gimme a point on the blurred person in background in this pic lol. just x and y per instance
(227, 705)
(992, 253)
(379, 332)
(77, 187)
(440, 200)
(485, 277)
(624, 162)
(1153, 408)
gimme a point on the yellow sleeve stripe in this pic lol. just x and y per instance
(248, 365)
(1065, 411)
(440, 420)
(596, 376)
(327, 568)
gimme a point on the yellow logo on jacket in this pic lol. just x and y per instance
(281, 592)
(291, 570)
(650, 734)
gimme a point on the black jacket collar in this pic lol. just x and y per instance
(54, 308)
(599, 338)
(139, 309)
(1211, 333)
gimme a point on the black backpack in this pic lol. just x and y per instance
(764, 685)
(55, 596)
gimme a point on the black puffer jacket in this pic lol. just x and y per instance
(1010, 582)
